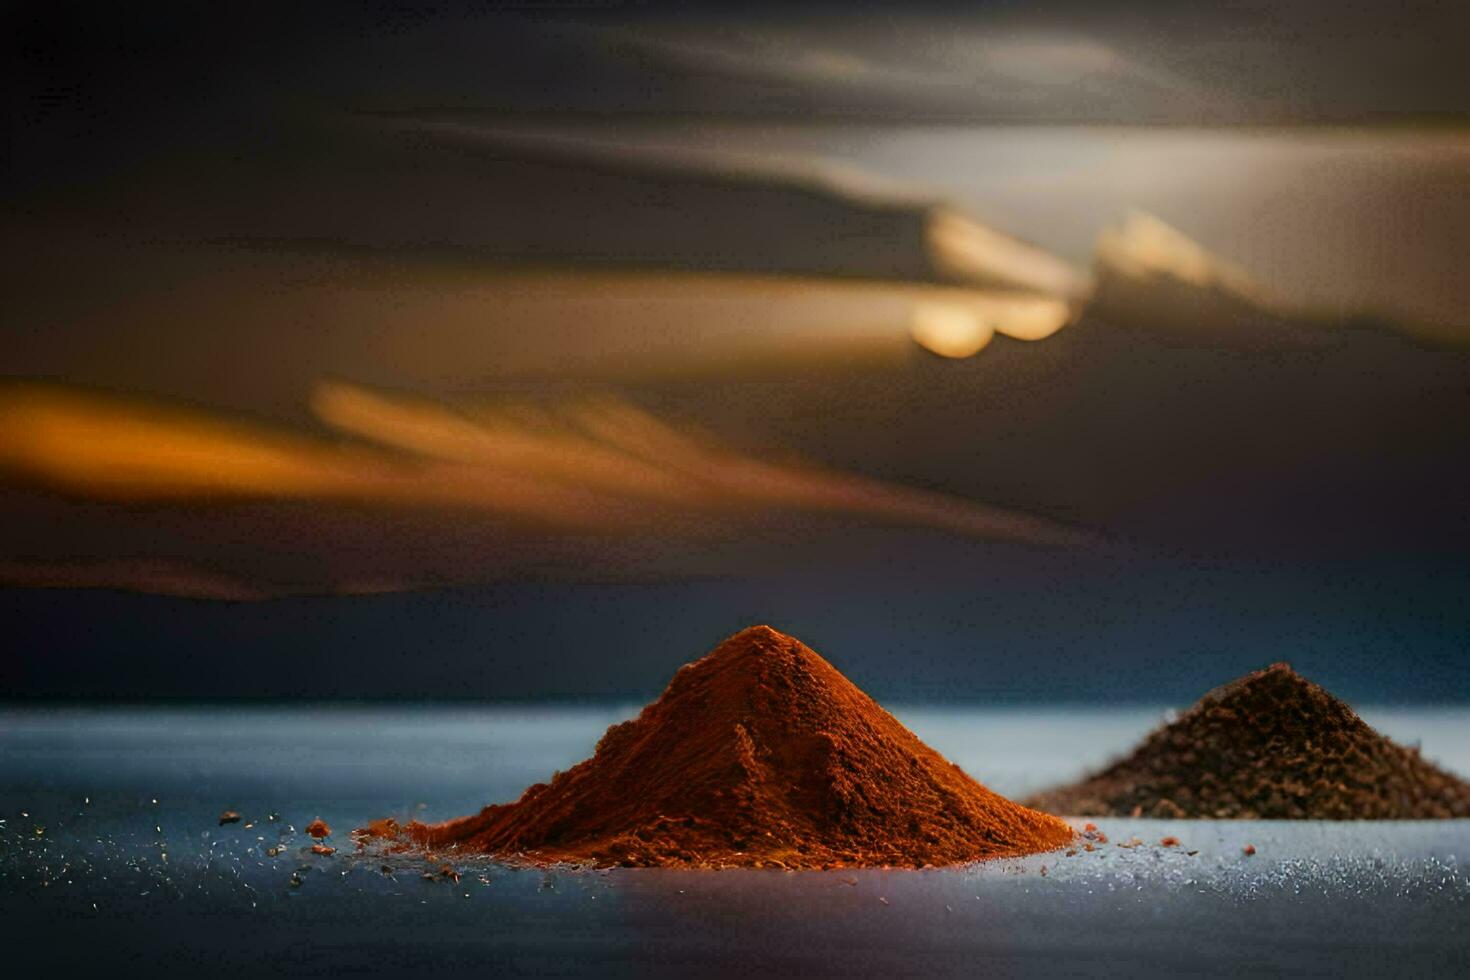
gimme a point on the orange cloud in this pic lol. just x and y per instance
(599, 466)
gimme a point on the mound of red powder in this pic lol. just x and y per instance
(1271, 745)
(759, 755)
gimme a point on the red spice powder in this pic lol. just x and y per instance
(761, 754)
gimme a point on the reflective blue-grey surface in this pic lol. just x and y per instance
(112, 861)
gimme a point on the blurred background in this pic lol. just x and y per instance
(1003, 352)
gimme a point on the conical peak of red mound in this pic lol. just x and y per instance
(759, 754)
(760, 676)
(1273, 745)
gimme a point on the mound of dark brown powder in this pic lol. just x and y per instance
(1271, 745)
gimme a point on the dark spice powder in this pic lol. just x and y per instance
(1271, 745)
(759, 755)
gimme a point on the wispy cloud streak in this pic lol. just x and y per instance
(597, 466)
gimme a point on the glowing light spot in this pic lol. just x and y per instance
(949, 331)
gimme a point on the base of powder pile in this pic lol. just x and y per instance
(436, 844)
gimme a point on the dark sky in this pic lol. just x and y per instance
(107, 91)
(939, 621)
(93, 70)
(385, 409)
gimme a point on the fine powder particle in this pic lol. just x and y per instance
(1271, 745)
(761, 754)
